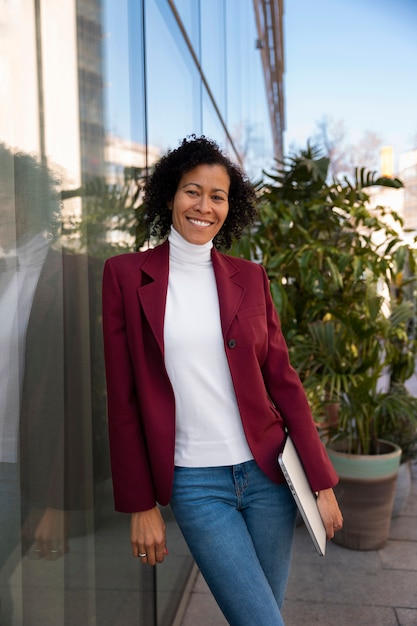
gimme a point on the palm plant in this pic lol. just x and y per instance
(343, 362)
(113, 218)
(332, 262)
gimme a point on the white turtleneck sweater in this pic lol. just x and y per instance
(209, 429)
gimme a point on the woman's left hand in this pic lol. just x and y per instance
(330, 512)
(46, 530)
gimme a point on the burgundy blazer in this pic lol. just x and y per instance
(141, 406)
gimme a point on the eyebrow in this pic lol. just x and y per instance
(201, 186)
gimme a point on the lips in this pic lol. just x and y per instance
(197, 222)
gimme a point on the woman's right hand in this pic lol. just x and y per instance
(148, 536)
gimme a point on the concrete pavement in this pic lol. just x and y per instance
(345, 588)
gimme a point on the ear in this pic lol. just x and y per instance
(169, 205)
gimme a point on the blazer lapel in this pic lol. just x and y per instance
(153, 287)
(229, 286)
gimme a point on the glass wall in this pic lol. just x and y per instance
(91, 93)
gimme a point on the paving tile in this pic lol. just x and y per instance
(410, 507)
(202, 610)
(299, 613)
(400, 555)
(404, 528)
(395, 588)
(406, 617)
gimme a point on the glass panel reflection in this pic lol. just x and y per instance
(174, 86)
(46, 427)
(91, 93)
(64, 552)
(213, 51)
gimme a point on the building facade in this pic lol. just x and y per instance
(408, 174)
(91, 93)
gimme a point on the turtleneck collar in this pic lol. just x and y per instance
(185, 252)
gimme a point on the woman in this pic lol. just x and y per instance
(200, 390)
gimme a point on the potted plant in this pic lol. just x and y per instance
(399, 423)
(401, 428)
(332, 263)
(344, 362)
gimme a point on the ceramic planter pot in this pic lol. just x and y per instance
(365, 493)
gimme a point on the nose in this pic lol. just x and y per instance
(204, 203)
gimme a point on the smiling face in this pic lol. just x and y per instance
(201, 203)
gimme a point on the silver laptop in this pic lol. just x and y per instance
(306, 500)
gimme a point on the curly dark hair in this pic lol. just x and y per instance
(163, 183)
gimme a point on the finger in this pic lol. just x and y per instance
(36, 551)
(329, 532)
(152, 556)
(53, 553)
(137, 549)
(142, 554)
(155, 554)
(338, 525)
(332, 528)
(160, 555)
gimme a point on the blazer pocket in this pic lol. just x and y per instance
(251, 311)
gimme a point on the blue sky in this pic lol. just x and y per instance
(353, 61)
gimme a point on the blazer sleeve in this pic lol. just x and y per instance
(132, 479)
(287, 393)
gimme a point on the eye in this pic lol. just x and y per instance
(191, 192)
(219, 198)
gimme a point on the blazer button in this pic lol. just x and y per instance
(232, 343)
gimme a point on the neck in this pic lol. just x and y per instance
(183, 250)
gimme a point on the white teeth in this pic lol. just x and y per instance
(199, 223)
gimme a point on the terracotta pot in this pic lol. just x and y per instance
(366, 495)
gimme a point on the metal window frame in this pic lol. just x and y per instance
(269, 23)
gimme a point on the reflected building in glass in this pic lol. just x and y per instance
(91, 93)
(408, 174)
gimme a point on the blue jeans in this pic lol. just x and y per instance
(239, 527)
